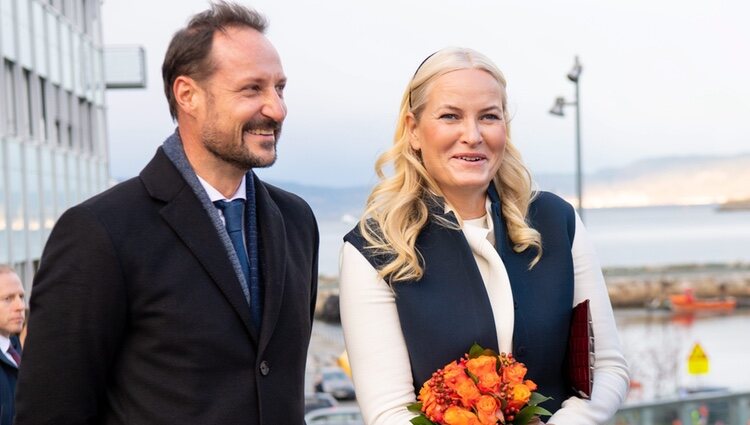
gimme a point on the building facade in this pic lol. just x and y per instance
(53, 139)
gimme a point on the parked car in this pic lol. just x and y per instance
(339, 415)
(315, 401)
(334, 381)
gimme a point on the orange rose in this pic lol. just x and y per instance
(485, 369)
(458, 416)
(514, 373)
(453, 370)
(531, 384)
(488, 410)
(520, 395)
(467, 390)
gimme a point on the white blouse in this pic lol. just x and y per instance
(377, 351)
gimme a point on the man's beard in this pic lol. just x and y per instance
(226, 148)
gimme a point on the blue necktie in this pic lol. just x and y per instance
(233, 212)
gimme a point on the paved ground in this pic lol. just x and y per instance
(326, 345)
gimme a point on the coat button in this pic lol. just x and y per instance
(265, 369)
(520, 352)
(515, 305)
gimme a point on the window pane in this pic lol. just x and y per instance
(99, 77)
(61, 183)
(77, 69)
(72, 180)
(43, 109)
(48, 191)
(9, 97)
(56, 112)
(15, 186)
(39, 36)
(8, 29)
(24, 34)
(53, 43)
(34, 216)
(27, 102)
(4, 259)
(66, 55)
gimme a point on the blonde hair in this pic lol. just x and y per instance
(397, 208)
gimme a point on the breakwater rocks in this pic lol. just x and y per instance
(628, 287)
(652, 286)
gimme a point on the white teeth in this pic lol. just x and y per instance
(261, 132)
(470, 158)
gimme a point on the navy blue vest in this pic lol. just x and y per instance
(448, 309)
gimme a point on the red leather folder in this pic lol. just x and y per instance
(579, 360)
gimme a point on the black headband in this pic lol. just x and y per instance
(415, 73)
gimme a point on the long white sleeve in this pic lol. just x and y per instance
(610, 368)
(380, 364)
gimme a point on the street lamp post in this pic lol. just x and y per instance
(558, 109)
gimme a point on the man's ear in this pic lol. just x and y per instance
(188, 94)
(411, 130)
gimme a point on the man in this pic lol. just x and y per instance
(12, 312)
(161, 302)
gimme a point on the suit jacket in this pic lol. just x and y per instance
(8, 376)
(138, 316)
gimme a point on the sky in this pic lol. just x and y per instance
(660, 77)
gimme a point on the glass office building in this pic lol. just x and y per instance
(53, 140)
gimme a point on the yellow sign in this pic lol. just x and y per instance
(697, 361)
(343, 362)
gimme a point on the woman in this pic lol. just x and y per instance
(457, 248)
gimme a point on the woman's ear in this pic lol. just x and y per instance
(411, 129)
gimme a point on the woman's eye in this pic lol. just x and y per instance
(494, 117)
(449, 117)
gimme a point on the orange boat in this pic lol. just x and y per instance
(687, 303)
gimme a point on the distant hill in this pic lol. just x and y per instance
(688, 180)
(694, 180)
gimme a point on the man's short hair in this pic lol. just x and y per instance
(190, 49)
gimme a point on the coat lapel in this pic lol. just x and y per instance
(184, 213)
(272, 259)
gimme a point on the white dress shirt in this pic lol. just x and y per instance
(214, 195)
(380, 361)
(4, 345)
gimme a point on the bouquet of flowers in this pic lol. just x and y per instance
(482, 388)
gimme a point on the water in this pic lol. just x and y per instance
(657, 345)
(630, 237)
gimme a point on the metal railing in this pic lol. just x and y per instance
(711, 408)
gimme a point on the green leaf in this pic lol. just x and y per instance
(475, 351)
(524, 416)
(541, 411)
(537, 398)
(421, 420)
(415, 407)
